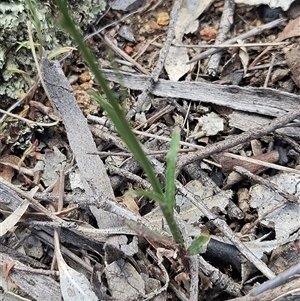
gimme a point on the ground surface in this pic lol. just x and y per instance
(237, 171)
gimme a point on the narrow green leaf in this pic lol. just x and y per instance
(115, 112)
(169, 216)
(159, 198)
(26, 44)
(198, 245)
(119, 120)
(171, 170)
(34, 18)
(176, 233)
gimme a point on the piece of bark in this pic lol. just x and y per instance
(28, 261)
(263, 101)
(71, 237)
(93, 173)
(220, 280)
(248, 121)
(80, 138)
(287, 290)
(31, 282)
(9, 201)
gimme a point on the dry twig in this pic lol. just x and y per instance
(238, 139)
(243, 171)
(225, 24)
(137, 107)
(269, 71)
(243, 36)
(226, 230)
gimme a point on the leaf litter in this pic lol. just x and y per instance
(265, 224)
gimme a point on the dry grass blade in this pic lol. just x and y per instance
(14, 218)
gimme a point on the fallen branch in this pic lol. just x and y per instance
(263, 101)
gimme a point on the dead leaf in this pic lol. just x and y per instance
(163, 252)
(182, 277)
(6, 172)
(256, 147)
(11, 159)
(118, 246)
(7, 268)
(205, 282)
(54, 161)
(285, 257)
(284, 4)
(129, 202)
(285, 220)
(124, 282)
(192, 214)
(208, 125)
(292, 58)
(243, 199)
(187, 17)
(126, 33)
(14, 218)
(292, 29)
(261, 247)
(74, 285)
(175, 63)
(244, 56)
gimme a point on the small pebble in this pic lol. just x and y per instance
(126, 33)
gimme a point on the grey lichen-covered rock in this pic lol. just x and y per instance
(13, 30)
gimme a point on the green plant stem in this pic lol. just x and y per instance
(124, 128)
(116, 114)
